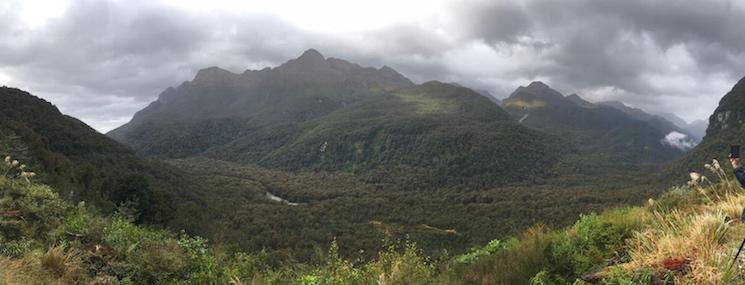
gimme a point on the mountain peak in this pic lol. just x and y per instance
(538, 85)
(213, 75)
(580, 101)
(311, 55)
(538, 90)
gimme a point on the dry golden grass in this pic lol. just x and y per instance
(63, 264)
(698, 236)
(24, 270)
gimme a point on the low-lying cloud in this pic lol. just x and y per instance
(679, 140)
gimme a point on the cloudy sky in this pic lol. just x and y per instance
(101, 61)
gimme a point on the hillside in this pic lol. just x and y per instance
(326, 114)
(658, 122)
(687, 236)
(725, 128)
(606, 137)
(82, 164)
(224, 200)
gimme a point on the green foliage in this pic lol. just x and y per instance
(475, 253)
(77, 222)
(517, 265)
(14, 248)
(619, 276)
(202, 265)
(593, 240)
(408, 267)
(545, 278)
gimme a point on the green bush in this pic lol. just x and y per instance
(477, 252)
(517, 265)
(619, 276)
(545, 278)
(408, 267)
(202, 266)
(77, 221)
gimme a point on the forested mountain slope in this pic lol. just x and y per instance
(606, 137)
(316, 113)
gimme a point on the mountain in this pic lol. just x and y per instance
(725, 128)
(697, 128)
(489, 96)
(580, 101)
(84, 165)
(678, 121)
(658, 122)
(600, 131)
(317, 113)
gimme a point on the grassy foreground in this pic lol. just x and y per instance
(687, 236)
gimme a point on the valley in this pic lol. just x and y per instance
(449, 142)
(288, 159)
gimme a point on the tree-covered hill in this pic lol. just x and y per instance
(80, 162)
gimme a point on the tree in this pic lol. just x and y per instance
(134, 190)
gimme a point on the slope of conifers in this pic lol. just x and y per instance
(314, 113)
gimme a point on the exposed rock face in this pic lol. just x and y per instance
(726, 127)
(727, 120)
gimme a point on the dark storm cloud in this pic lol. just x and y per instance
(634, 50)
(492, 21)
(103, 60)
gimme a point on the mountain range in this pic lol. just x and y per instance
(318, 148)
(328, 114)
(608, 137)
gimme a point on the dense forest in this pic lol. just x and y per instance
(224, 201)
(686, 236)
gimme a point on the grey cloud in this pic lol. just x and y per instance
(492, 21)
(102, 60)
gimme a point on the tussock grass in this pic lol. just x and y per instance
(692, 244)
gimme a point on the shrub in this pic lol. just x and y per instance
(64, 264)
(125, 237)
(545, 278)
(14, 248)
(516, 265)
(475, 253)
(337, 270)
(202, 266)
(163, 260)
(407, 267)
(77, 221)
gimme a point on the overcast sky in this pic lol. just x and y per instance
(101, 61)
